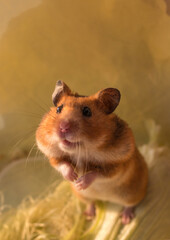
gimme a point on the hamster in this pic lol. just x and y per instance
(93, 149)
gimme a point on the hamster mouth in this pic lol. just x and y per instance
(67, 140)
(69, 144)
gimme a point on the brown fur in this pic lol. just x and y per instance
(109, 142)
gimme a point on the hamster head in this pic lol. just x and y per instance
(79, 121)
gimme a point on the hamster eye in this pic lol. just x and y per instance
(87, 112)
(59, 109)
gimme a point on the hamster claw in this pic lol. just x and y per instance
(81, 183)
(85, 181)
(73, 176)
(68, 172)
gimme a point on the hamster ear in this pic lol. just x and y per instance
(109, 99)
(60, 89)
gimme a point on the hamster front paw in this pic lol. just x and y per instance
(85, 181)
(67, 172)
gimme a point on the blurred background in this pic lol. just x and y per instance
(90, 45)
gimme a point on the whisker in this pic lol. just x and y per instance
(44, 103)
(29, 154)
(29, 114)
(24, 138)
(77, 158)
(38, 104)
(37, 152)
(79, 155)
(86, 159)
(43, 109)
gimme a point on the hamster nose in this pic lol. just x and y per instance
(64, 126)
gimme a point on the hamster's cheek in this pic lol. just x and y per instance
(49, 146)
(54, 137)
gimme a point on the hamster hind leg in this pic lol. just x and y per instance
(90, 211)
(127, 215)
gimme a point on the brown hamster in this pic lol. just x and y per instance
(93, 149)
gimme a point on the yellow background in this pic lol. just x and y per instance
(90, 45)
